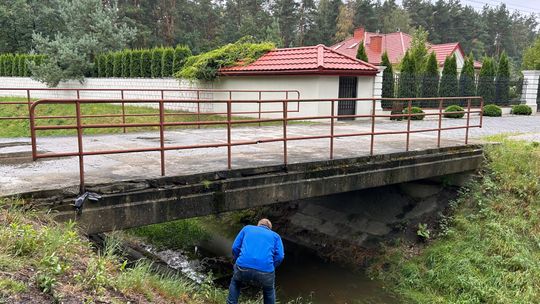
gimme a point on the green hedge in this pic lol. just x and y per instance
(126, 63)
(157, 55)
(17, 65)
(146, 64)
(415, 110)
(492, 110)
(453, 108)
(521, 110)
(167, 62)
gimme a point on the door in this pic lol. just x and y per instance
(347, 89)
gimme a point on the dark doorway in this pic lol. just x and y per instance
(347, 89)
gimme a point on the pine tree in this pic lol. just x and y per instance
(388, 77)
(502, 83)
(430, 78)
(157, 55)
(2, 58)
(466, 78)
(407, 78)
(449, 81)
(146, 64)
(126, 54)
(167, 62)
(361, 53)
(135, 64)
(486, 83)
(181, 54)
(15, 65)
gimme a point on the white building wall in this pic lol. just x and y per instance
(310, 87)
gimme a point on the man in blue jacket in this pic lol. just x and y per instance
(257, 251)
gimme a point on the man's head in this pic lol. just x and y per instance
(265, 222)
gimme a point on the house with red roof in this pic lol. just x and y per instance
(396, 44)
(317, 72)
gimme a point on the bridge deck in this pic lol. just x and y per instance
(19, 175)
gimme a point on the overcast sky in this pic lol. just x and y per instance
(524, 6)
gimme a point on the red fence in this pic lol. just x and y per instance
(197, 94)
(228, 122)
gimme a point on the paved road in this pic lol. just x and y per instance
(54, 173)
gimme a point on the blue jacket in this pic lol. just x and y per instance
(259, 248)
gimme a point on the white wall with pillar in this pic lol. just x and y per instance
(530, 88)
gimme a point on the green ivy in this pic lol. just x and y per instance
(181, 54)
(206, 66)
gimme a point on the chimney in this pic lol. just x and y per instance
(376, 43)
(359, 33)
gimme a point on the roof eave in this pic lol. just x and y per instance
(300, 72)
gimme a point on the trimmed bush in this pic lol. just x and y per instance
(492, 110)
(521, 110)
(181, 54)
(414, 110)
(126, 54)
(157, 57)
(167, 62)
(453, 108)
(117, 64)
(8, 65)
(388, 77)
(15, 65)
(146, 64)
(135, 64)
(109, 65)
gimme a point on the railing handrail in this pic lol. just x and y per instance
(229, 122)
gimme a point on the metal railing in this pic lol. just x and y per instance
(228, 122)
(196, 94)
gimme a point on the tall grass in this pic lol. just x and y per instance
(490, 250)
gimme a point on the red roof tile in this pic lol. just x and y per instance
(395, 44)
(317, 59)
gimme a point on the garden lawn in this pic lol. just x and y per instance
(21, 128)
(488, 250)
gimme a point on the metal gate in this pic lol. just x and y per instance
(347, 89)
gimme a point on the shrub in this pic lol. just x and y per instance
(449, 81)
(167, 62)
(453, 108)
(8, 65)
(157, 57)
(117, 64)
(388, 77)
(181, 54)
(415, 110)
(2, 58)
(15, 65)
(521, 110)
(146, 63)
(206, 66)
(492, 110)
(126, 54)
(109, 61)
(135, 64)
(100, 59)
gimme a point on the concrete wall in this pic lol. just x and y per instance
(111, 83)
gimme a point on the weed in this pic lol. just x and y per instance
(423, 232)
(9, 287)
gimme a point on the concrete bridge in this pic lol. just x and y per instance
(148, 201)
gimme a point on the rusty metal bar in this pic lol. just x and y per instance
(440, 123)
(332, 111)
(285, 132)
(80, 145)
(198, 108)
(123, 109)
(409, 107)
(372, 128)
(162, 135)
(259, 103)
(229, 118)
(468, 121)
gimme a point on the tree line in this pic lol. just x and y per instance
(204, 24)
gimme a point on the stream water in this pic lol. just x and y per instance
(303, 275)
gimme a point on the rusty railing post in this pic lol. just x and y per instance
(29, 101)
(285, 117)
(162, 133)
(440, 123)
(33, 132)
(80, 144)
(123, 110)
(198, 108)
(229, 117)
(409, 107)
(468, 121)
(332, 112)
(260, 97)
(481, 111)
(372, 143)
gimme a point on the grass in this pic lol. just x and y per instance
(50, 262)
(20, 128)
(488, 250)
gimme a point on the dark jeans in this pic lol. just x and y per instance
(252, 277)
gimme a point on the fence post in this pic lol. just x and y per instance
(80, 143)
(229, 107)
(530, 89)
(285, 131)
(123, 110)
(162, 135)
(332, 113)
